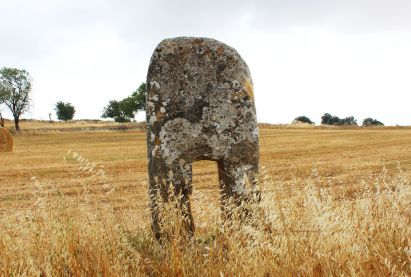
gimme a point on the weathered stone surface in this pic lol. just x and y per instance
(6, 140)
(200, 106)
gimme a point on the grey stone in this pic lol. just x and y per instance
(200, 106)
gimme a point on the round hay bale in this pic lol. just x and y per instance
(6, 140)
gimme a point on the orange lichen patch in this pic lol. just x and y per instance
(207, 51)
(160, 115)
(198, 41)
(6, 140)
(220, 50)
(248, 86)
(237, 95)
(157, 141)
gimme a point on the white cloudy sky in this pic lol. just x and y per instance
(347, 57)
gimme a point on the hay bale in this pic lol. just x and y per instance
(6, 140)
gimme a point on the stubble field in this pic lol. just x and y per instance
(73, 201)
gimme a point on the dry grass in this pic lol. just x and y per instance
(335, 202)
(40, 127)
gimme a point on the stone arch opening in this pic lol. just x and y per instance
(205, 198)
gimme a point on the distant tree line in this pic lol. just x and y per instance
(328, 119)
(15, 92)
(120, 110)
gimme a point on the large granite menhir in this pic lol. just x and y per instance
(200, 106)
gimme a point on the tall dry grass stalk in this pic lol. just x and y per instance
(313, 228)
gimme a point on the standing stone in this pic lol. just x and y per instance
(200, 106)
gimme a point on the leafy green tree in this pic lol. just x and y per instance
(326, 118)
(138, 97)
(371, 122)
(15, 89)
(329, 119)
(64, 111)
(113, 110)
(349, 121)
(124, 110)
(303, 119)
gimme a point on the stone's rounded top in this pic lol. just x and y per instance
(191, 40)
(199, 47)
(197, 65)
(202, 80)
(179, 41)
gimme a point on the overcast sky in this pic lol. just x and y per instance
(306, 57)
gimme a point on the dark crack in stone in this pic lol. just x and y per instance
(200, 106)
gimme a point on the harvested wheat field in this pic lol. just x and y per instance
(335, 201)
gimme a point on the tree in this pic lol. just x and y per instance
(1, 120)
(138, 97)
(113, 111)
(371, 122)
(329, 119)
(64, 111)
(15, 88)
(303, 119)
(124, 110)
(349, 120)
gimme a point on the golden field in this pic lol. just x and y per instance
(335, 201)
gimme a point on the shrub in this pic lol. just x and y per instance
(371, 122)
(125, 110)
(328, 119)
(349, 120)
(64, 111)
(303, 119)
